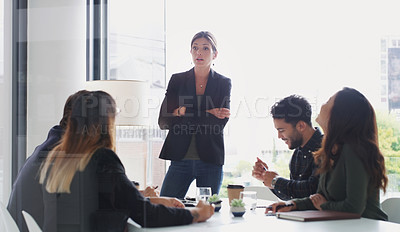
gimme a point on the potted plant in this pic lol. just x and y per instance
(237, 207)
(216, 201)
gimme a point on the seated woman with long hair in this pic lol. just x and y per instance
(351, 165)
(85, 183)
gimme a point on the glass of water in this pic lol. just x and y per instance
(249, 198)
(203, 193)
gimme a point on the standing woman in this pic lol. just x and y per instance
(195, 110)
(351, 165)
(92, 192)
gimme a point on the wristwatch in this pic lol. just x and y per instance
(273, 182)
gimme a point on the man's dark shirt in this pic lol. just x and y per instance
(27, 191)
(303, 180)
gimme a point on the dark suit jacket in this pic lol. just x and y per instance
(207, 128)
(27, 192)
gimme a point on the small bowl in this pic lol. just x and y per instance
(238, 211)
(217, 207)
(238, 214)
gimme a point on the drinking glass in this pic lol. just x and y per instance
(203, 193)
(249, 198)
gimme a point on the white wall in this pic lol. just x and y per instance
(56, 62)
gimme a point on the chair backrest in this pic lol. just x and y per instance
(7, 223)
(263, 193)
(31, 223)
(391, 206)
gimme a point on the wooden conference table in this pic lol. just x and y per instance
(256, 220)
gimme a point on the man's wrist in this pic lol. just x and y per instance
(179, 111)
(274, 180)
(195, 215)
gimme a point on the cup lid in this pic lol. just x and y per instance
(235, 186)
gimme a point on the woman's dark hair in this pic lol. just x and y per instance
(352, 121)
(207, 35)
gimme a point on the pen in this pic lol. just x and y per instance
(156, 187)
(265, 168)
(277, 207)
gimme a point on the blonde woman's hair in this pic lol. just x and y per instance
(90, 127)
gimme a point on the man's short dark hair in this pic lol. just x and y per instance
(68, 107)
(293, 109)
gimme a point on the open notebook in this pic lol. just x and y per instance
(316, 215)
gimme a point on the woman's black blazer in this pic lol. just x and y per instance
(207, 128)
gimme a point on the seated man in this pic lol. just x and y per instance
(292, 119)
(27, 191)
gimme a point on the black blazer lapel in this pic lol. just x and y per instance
(188, 94)
(190, 85)
(210, 92)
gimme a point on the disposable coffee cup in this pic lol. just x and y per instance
(234, 191)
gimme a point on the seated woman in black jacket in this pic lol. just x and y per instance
(85, 181)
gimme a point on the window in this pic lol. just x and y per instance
(4, 107)
(273, 49)
(40, 73)
(136, 48)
